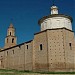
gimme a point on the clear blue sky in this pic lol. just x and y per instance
(26, 13)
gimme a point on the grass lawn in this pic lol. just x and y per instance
(15, 72)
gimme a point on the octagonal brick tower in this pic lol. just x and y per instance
(54, 45)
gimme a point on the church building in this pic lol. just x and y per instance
(52, 49)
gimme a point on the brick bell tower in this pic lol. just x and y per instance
(10, 39)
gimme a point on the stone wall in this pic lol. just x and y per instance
(17, 57)
(50, 50)
(41, 54)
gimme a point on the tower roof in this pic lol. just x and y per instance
(54, 15)
(54, 7)
(11, 25)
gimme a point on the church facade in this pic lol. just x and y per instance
(52, 49)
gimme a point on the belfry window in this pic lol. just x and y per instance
(13, 40)
(7, 40)
(41, 47)
(10, 33)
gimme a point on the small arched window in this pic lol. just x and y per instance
(41, 48)
(13, 40)
(70, 44)
(10, 33)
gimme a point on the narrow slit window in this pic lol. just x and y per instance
(41, 47)
(7, 52)
(13, 51)
(27, 46)
(70, 45)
